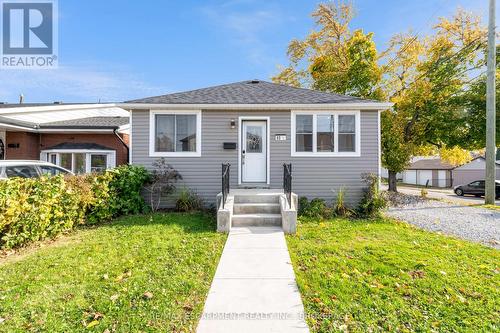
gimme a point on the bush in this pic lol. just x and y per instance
(316, 209)
(161, 183)
(424, 193)
(339, 207)
(303, 206)
(38, 208)
(188, 201)
(126, 185)
(372, 202)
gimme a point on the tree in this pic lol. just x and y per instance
(395, 151)
(423, 76)
(424, 81)
(333, 58)
(471, 133)
(455, 155)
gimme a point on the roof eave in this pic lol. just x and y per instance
(324, 106)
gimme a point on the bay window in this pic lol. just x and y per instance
(175, 133)
(326, 133)
(80, 161)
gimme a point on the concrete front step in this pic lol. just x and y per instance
(251, 198)
(247, 220)
(256, 208)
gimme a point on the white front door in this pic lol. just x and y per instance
(254, 151)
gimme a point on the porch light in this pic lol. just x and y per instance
(233, 123)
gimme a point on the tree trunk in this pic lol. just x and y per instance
(392, 181)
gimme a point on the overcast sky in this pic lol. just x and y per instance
(118, 50)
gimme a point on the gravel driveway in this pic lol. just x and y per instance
(472, 223)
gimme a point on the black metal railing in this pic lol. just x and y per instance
(225, 182)
(287, 182)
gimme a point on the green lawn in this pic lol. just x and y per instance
(139, 273)
(380, 275)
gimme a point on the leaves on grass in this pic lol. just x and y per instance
(418, 274)
(147, 295)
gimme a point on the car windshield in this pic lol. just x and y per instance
(23, 171)
(52, 170)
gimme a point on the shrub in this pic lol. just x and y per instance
(372, 202)
(339, 206)
(424, 193)
(39, 208)
(316, 209)
(126, 185)
(188, 201)
(303, 206)
(34, 209)
(162, 182)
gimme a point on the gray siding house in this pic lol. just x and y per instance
(257, 126)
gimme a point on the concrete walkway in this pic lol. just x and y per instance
(254, 288)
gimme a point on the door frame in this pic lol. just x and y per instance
(268, 148)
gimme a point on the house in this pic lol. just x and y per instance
(256, 126)
(473, 170)
(78, 137)
(429, 172)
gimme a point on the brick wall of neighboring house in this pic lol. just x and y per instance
(23, 146)
(30, 144)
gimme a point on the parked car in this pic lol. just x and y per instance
(29, 169)
(475, 188)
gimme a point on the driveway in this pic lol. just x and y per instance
(471, 223)
(441, 194)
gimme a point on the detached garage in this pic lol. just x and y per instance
(474, 170)
(429, 172)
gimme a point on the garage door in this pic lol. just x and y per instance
(424, 176)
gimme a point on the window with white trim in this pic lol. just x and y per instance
(175, 133)
(326, 133)
(81, 161)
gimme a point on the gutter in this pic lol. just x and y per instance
(115, 132)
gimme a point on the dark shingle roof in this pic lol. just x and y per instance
(91, 122)
(430, 164)
(73, 145)
(250, 92)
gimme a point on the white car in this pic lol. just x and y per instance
(29, 169)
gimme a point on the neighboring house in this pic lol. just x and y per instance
(78, 137)
(474, 170)
(429, 172)
(331, 140)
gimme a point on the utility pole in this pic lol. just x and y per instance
(489, 197)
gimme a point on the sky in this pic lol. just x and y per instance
(117, 50)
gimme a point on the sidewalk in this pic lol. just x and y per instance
(254, 288)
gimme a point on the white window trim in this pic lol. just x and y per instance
(110, 161)
(152, 139)
(336, 153)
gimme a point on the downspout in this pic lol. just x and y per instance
(115, 132)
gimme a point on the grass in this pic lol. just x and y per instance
(381, 275)
(139, 273)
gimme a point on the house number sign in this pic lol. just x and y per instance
(280, 137)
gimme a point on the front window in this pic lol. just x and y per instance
(175, 133)
(304, 132)
(325, 133)
(347, 133)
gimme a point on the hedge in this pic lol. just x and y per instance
(33, 209)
